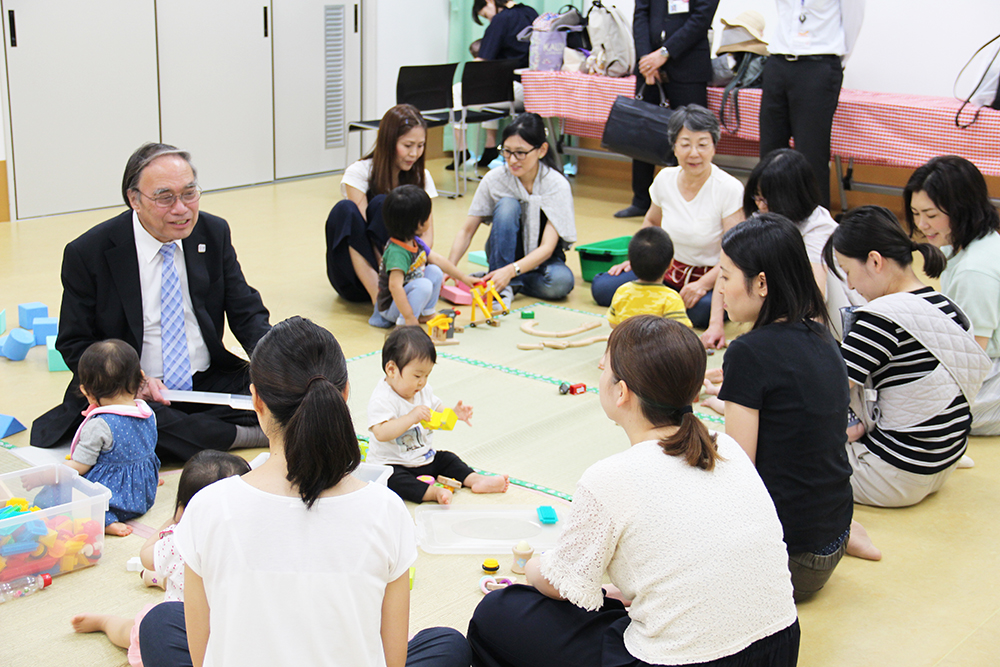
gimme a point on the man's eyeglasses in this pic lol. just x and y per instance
(168, 199)
(519, 155)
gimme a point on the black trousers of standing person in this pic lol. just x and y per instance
(798, 100)
(678, 95)
(520, 627)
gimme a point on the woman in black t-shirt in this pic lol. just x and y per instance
(786, 395)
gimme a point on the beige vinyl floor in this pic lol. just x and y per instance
(933, 600)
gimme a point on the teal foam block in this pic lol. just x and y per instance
(17, 344)
(479, 257)
(9, 426)
(3, 320)
(28, 312)
(56, 361)
(45, 327)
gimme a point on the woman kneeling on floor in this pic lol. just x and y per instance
(680, 522)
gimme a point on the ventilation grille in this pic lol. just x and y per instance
(335, 31)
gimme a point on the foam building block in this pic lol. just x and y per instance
(458, 294)
(27, 313)
(9, 426)
(477, 257)
(3, 339)
(56, 362)
(45, 327)
(17, 344)
(3, 320)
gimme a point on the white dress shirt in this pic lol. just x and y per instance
(829, 27)
(147, 250)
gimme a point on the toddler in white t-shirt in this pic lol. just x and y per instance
(401, 400)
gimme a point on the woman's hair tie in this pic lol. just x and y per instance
(314, 378)
(687, 409)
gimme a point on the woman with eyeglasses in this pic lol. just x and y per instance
(355, 235)
(696, 203)
(529, 205)
(783, 182)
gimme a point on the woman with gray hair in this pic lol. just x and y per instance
(696, 203)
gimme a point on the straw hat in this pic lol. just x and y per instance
(753, 23)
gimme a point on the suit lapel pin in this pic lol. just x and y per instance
(201, 248)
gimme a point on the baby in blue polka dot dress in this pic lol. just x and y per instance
(116, 443)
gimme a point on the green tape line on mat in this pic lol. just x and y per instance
(530, 485)
(362, 356)
(6, 445)
(546, 378)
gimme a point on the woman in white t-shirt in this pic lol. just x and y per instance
(783, 182)
(298, 562)
(695, 202)
(355, 235)
(681, 524)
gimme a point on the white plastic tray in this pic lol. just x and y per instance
(451, 529)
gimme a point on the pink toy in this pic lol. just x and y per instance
(488, 584)
(457, 294)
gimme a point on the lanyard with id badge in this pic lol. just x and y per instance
(678, 6)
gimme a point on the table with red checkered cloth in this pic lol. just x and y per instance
(873, 128)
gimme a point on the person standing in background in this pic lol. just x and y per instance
(803, 76)
(671, 42)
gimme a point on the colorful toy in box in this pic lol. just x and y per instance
(54, 545)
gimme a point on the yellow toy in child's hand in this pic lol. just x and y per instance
(444, 420)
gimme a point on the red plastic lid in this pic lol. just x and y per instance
(46, 580)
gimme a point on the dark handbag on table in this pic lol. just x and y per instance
(638, 129)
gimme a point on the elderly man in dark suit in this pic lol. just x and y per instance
(671, 43)
(164, 278)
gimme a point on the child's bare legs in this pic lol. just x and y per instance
(712, 389)
(118, 528)
(438, 494)
(860, 545)
(487, 483)
(117, 628)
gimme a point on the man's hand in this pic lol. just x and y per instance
(650, 63)
(152, 390)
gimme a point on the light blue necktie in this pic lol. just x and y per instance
(173, 339)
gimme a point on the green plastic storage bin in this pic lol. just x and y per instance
(601, 256)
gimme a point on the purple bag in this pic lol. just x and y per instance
(546, 47)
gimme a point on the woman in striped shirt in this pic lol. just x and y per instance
(911, 359)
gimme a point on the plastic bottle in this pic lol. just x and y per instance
(18, 588)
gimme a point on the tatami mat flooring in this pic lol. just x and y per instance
(933, 600)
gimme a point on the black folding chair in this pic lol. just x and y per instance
(487, 94)
(429, 89)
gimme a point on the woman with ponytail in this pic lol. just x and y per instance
(785, 395)
(680, 523)
(912, 360)
(299, 562)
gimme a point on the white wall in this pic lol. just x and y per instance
(399, 33)
(906, 46)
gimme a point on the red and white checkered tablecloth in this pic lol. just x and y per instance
(874, 128)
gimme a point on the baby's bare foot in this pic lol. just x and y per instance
(118, 528)
(442, 495)
(88, 622)
(491, 484)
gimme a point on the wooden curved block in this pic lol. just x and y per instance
(529, 328)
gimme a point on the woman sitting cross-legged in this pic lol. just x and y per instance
(681, 524)
(530, 205)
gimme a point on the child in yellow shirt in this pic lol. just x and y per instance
(650, 252)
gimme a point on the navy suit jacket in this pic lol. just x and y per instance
(684, 35)
(102, 298)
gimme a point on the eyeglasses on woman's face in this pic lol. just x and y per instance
(516, 155)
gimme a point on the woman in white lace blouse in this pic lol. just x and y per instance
(681, 525)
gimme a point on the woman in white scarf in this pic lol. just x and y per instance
(529, 205)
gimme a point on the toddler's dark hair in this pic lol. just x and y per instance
(650, 252)
(405, 344)
(207, 467)
(108, 368)
(474, 48)
(404, 210)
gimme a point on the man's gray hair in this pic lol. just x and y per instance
(695, 118)
(141, 158)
